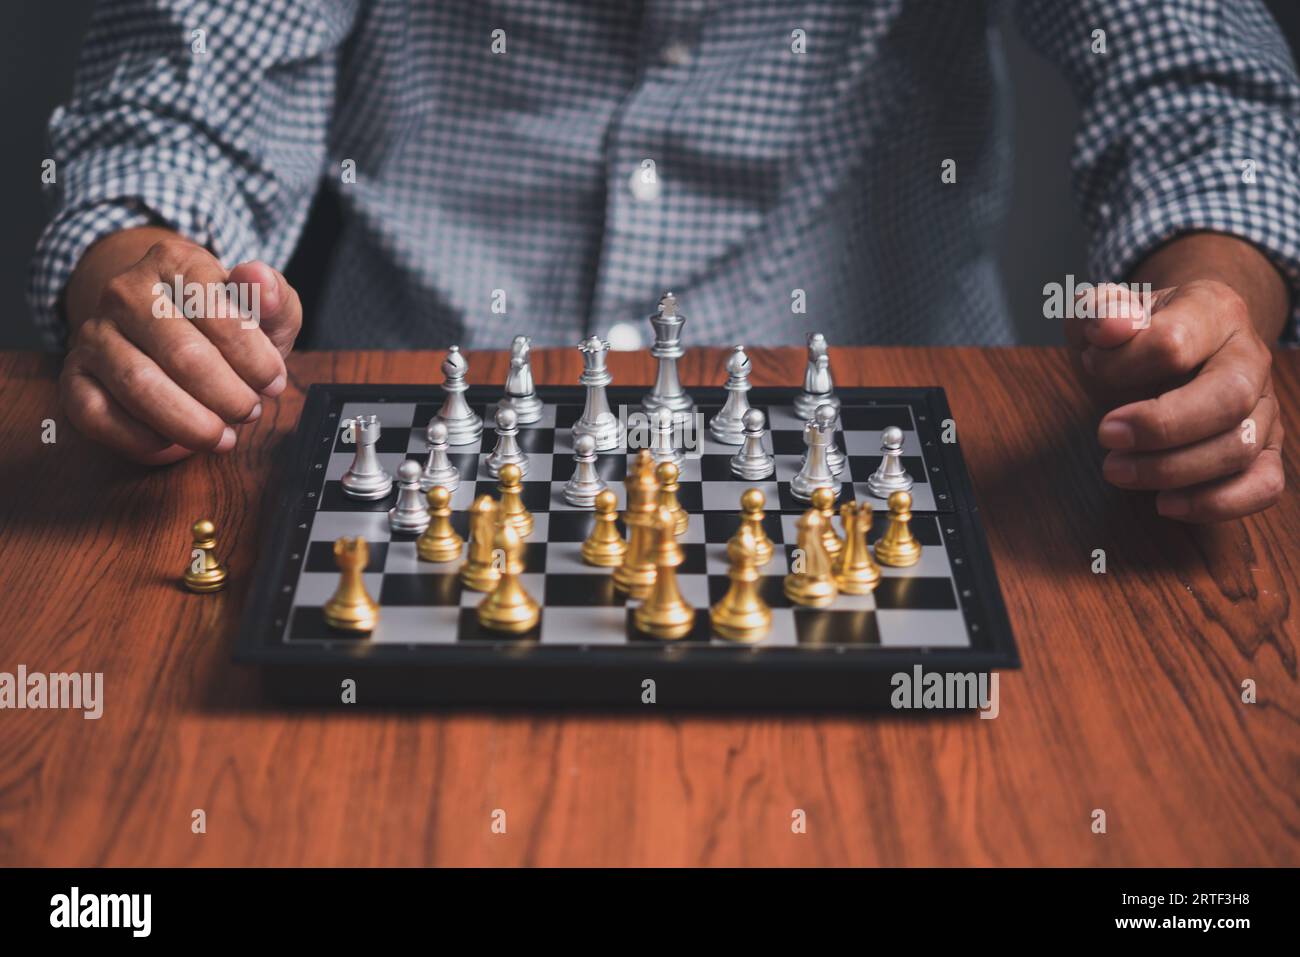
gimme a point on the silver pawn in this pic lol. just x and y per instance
(507, 450)
(890, 476)
(728, 426)
(667, 348)
(753, 461)
(815, 473)
(366, 478)
(411, 513)
(521, 394)
(663, 447)
(439, 469)
(464, 425)
(596, 420)
(585, 483)
(818, 384)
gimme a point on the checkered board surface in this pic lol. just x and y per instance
(946, 604)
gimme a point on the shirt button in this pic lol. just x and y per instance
(675, 54)
(624, 337)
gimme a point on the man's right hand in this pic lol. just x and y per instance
(161, 388)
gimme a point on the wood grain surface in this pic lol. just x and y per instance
(1129, 699)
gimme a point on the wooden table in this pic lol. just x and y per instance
(1128, 701)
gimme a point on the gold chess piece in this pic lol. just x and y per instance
(636, 574)
(512, 499)
(210, 574)
(823, 499)
(605, 546)
(741, 614)
(752, 501)
(667, 474)
(897, 547)
(481, 571)
(439, 542)
(351, 608)
(812, 583)
(664, 613)
(507, 607)
(856, 572)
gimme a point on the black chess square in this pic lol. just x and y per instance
(787, 442)
(466, 464)
(470, 630)
(334, 499)
(720, 526)
(611, 466)
(307, 623)
(789, 505)
(864, 465)
(391, 439)
(716, 467)
(424, 411)
(566, 415)
(691, 497)
(582, 591)
(420, 590)
(536, 496)
(866, 418)
(771, 588)
(831, 626)
(915, 593)
(534, 557)
(700, 631)
(573, 526)
(535, 441)
(320, 557)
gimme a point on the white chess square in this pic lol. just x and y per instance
(391, 415)
(315, 588)
(403, 558)
(340, 462)
(725, 496)
(417, 625)
(372, 526)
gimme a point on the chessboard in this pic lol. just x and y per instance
(945, 613)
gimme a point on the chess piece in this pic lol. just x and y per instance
(753, 462)
(663, 439)
(507, 451)
(666, 474)
(664, 613)
(818, 384)
(439, 542)
(636, 573)
(204, 573)
(411, 513)
(856, 572)
(464, 425)
(585, 483)
(728, 426)
(439, 470)
(521, 394)
(741, 614)
(752, 501)
(596, 419)
(365, 478)
(811, 582)
(512, 500)
(835, 459)
(815, 473)
(890, 476)
(668, 393)
(605, 546)
(507, 607)
(824, 501)
(480, 571)
(897, 547)
(351, 608)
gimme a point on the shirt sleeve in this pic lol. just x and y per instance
(209, 118)
(1190, 121)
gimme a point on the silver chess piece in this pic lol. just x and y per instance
(439, 470)
(464, 425)
(663, 439)
(728, 426)
(753, 462)
(667, 348)
(507, 451)
(521, 393)
(815, 473)
(834, 457)
(890, 476)
(411, 513)
(596, 420)
(366, 478)
(585, 483)
(818, 384)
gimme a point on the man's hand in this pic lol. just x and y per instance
(1194, 414)
(144, 379)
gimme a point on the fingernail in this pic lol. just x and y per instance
(1087, 361)
(227, 441)
(1119, 469)
(1116, 435)
(255, 414)
(1173, 504)
(275, 388)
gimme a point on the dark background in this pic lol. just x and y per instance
(1043, 240)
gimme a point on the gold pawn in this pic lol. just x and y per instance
(741, 614)
(480, 571)
(508, 608)
(813, 584)
(823, 499)
(512, 500)
(897, 547)
(636, 574)
(856, 572)
(351, 608)
(664, 613)
(211, 574)
(667, 475)
(439, 542)
(605, 546)
(751, 516)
